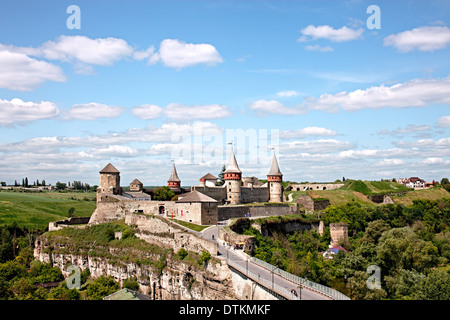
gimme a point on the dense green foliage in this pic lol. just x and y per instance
(410, 245)
(163, 194)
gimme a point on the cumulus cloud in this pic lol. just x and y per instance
(444, 122)
(22, 73)
(178, 111)
(263, 107)
(178, 54)
(147, 111)
(329, 33)
(422, 39)
(101, 51)
(414, 93)
(17, 111)
(416, 129)
(93, 111)
(287, 93)
(308, 131)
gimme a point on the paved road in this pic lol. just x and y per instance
(240, 258)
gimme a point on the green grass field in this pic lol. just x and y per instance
(36, 210)
(358, 190)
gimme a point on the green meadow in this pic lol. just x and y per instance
(37, 209)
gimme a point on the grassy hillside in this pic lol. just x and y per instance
(373, 187)
(36, 210)
(358, 190)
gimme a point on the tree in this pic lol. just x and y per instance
(221, 181)
(163, 194)
(101, 287)
(131, 283)
(60, 186)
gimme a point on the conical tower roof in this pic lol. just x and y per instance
(109, 169)
(174, 175)
(232, 164)
(274, 168)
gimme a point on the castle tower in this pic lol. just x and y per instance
(339, 234)
(274, 179)
(109, 181)
(174, 182)
(232, 177)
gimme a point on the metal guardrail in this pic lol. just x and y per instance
(330, 292)
(266, 283)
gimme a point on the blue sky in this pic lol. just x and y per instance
(142, 83)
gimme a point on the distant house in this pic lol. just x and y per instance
(412, 182)
(329, 254)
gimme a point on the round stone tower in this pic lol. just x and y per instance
(232, 177)
(275, 179)
(109, 182)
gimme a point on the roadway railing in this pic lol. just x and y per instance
(282, 291)
(330, 292)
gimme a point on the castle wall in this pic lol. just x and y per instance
(315, 186)
(249, 194)
(166, 233)
(217, 193)
(115, 210)
(229, 212)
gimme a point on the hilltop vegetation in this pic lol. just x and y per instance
(358, 191)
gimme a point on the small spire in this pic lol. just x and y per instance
(174, 175)
(274, 168)
(232, 164)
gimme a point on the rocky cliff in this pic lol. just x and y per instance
(160, 272)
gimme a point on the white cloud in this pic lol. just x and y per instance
(321, 146)
(263, 107)
(178, 111)
(422, 39)
(100, 51)
(93, 111)
(115, 151)
(287, 93)
(308, 131)
(22, 73)
(18, 111)
(147, 111)
(178, 54)
(319, 48)
(390, 163)
(327, 32)
(414, 93)
(444, 122)
(406, 130)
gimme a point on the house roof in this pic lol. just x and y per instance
(274, 168)
(208, 176)
(232, 164)
(136, 181)
(195, 196)
(337, 249)
(174, 175)
(126, 294)
(109, 169)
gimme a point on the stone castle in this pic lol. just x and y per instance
(198, 205)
